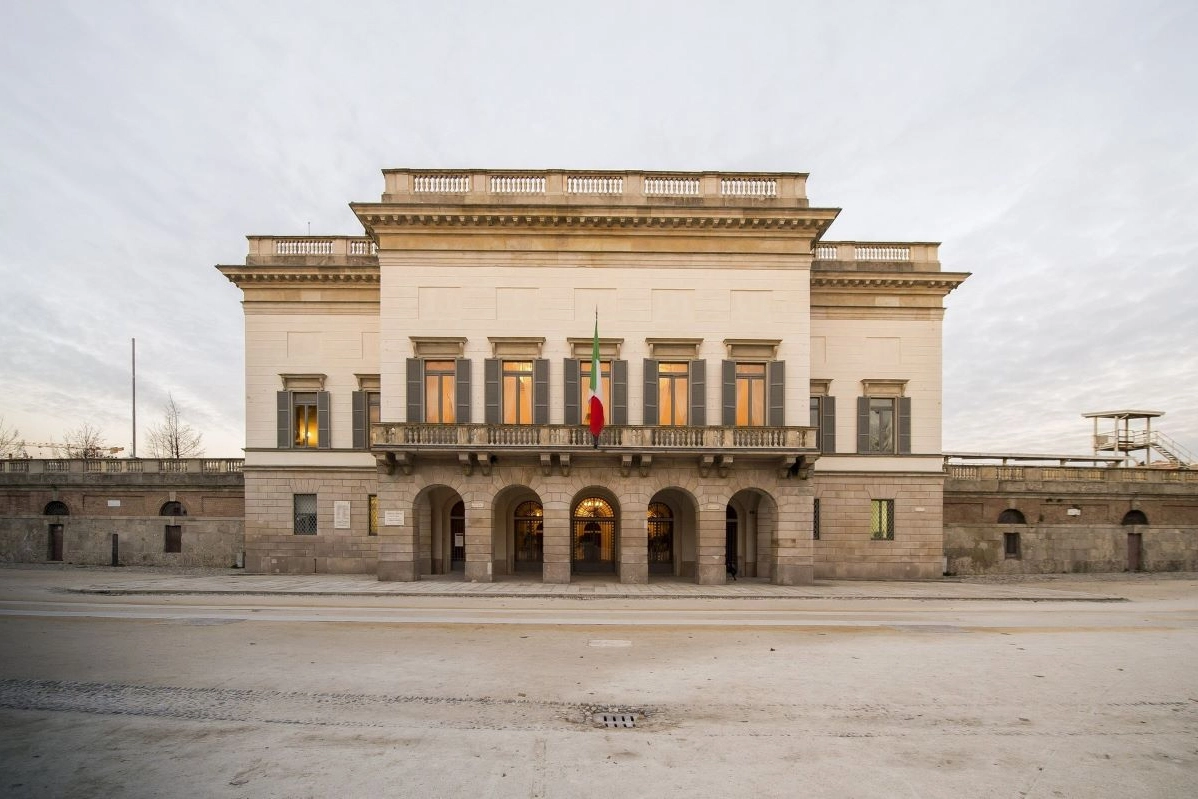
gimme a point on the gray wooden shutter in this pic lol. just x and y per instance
(361, 436)
(462, 390)
(322, 420)
(728, 393)
(862, 424)
(619, 392)
(415, 390)
(540, 391)
(491, 391)
(283, 405)
(776, 378)
(827, 424)
(650, 396)
(904, 425)
(698, 392)
(571, 378)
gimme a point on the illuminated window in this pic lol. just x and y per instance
(517, 392)
(881, 519)
(372, 505)
(750, 394)
(303, 405)
(439, 386)
(673, 399)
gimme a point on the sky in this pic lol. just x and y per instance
(1052, 147)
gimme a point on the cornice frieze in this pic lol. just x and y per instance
(374, 221)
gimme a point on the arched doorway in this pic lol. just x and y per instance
(528, 528)
(457, 537)
(661, 538)
(593, 537)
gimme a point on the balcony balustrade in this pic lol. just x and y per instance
(723, 440)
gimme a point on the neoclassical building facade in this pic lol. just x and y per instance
(416, 395)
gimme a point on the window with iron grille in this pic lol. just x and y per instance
(172, 540)
(372, 503)
(881, 519)
(815, 521)
(305, 514)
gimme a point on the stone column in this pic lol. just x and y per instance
(397, 542)
(634, 541)
(710, 569)
(479, 549)
(793, 546)
(556, 542)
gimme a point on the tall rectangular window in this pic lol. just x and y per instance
(172, 539)
(439, 385)
(306, 426)
(814, 421)
(584, 393)
(750, 394)
(374, 408)
(673, 396)
(815, 521)
(304, 506)
(1010, 543)
(881, 519)
(881, 425)
(372, 510)
(517, 392)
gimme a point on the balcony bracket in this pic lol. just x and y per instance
(485, 461)
(563, 461)
(466, 463)
(392, 461)
(646, 462)
(625, 465)
(723, 464)
(800, 467)
(546, 464)
(705, 464)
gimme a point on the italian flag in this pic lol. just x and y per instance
(596, 392)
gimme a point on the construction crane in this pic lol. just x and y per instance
(98, 452)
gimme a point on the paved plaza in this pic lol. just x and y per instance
(134, 683)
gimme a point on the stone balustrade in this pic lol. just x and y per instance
(1071, 474)
(403, 435)
(867, 253)
(206, 466)
(323, 249)
(618, 188)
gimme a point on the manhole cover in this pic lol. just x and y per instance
(616, 719)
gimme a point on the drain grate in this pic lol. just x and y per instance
(616, 719)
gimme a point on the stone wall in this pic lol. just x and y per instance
(1079, 519)
(846, 548)
(125, 497)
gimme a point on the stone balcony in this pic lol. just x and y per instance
(788, 447)
(876, 256)
(311, 251)
(114, 471)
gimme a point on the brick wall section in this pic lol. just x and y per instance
(846, 548)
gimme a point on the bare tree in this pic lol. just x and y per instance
(10, 440)
(172, 438)
(85, 441)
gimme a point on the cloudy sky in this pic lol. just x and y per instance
(1051, 146)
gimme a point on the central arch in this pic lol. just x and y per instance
(593, 536)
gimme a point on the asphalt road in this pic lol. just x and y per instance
(261, 696)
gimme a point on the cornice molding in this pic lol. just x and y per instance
(935, 281)
(284, 275)
(801, 220)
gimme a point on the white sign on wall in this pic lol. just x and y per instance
(393, 518)
(341, 514)
(114, 503)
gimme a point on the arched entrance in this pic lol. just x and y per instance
(751, 521)
(661, 538)
(593, 537)
(440, 520)
(528, 533)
